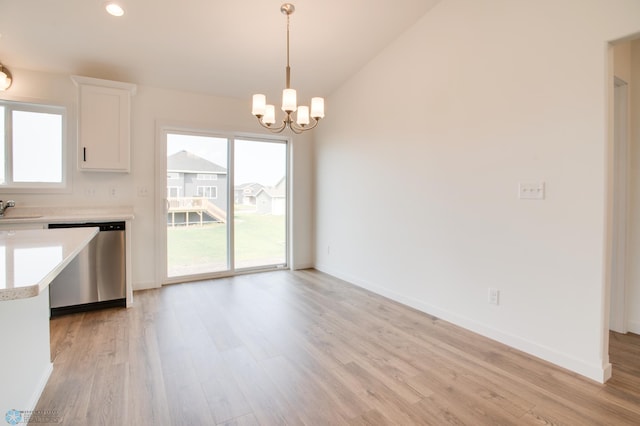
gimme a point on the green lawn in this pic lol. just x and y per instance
(260, 240)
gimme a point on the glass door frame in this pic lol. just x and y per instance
(162, 131)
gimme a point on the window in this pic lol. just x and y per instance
(32, 137)
(173, 191)
(208, 191)
(202, 176)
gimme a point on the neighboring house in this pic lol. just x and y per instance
(195, 186)
(272, 200)
(246, 193)
(266, 199)
(189, 175)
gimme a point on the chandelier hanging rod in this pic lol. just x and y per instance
(288, 9)
(266, 113)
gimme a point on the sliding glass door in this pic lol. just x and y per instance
(226, 204)
(260, 219)
(197, 204)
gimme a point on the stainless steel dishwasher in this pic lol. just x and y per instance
(95, 279)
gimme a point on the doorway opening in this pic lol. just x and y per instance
(617, 315)
(624, 185)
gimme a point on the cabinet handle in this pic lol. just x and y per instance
(84, 153)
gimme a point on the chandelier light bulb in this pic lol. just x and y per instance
(289, 100)
(303, 115)
(259, 104)
(269, 115)
(4, 81)
(5, 78)
(317, 108)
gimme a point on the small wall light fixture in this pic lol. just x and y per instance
(5, 78)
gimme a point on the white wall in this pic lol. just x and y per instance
(149, 107)
(633, 283)
(622, 61)
(418, 167)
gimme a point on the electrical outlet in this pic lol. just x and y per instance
(143, 191)
(494, 296)
(328, 249)
(113, 193)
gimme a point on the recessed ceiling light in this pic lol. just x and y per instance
(114, 8)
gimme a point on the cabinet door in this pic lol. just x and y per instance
(104, 131)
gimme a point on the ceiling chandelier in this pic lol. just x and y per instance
(266, 113)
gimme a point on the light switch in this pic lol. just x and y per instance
(494, 296)
(531, 191)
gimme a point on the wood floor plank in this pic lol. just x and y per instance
(146, 392)
(269, 406)
(321, 369)
(248, 420)
(226, 400)
(370, 418)
(378, 396)
(305, 348)
(108, 406)
(301, 390)
(223, 393)
(188, 404)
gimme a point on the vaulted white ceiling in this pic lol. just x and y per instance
(223, 47)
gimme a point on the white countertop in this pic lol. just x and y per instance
(19, 214)
(31, 259)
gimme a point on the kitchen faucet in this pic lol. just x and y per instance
(4, 206)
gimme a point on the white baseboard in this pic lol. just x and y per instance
(145, 285)
(633, 326)
(301, 266)
(599, 373)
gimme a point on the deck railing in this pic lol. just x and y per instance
(197, 205)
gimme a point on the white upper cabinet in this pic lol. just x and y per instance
(104, 124)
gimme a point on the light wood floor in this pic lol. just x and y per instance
(303, 348)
